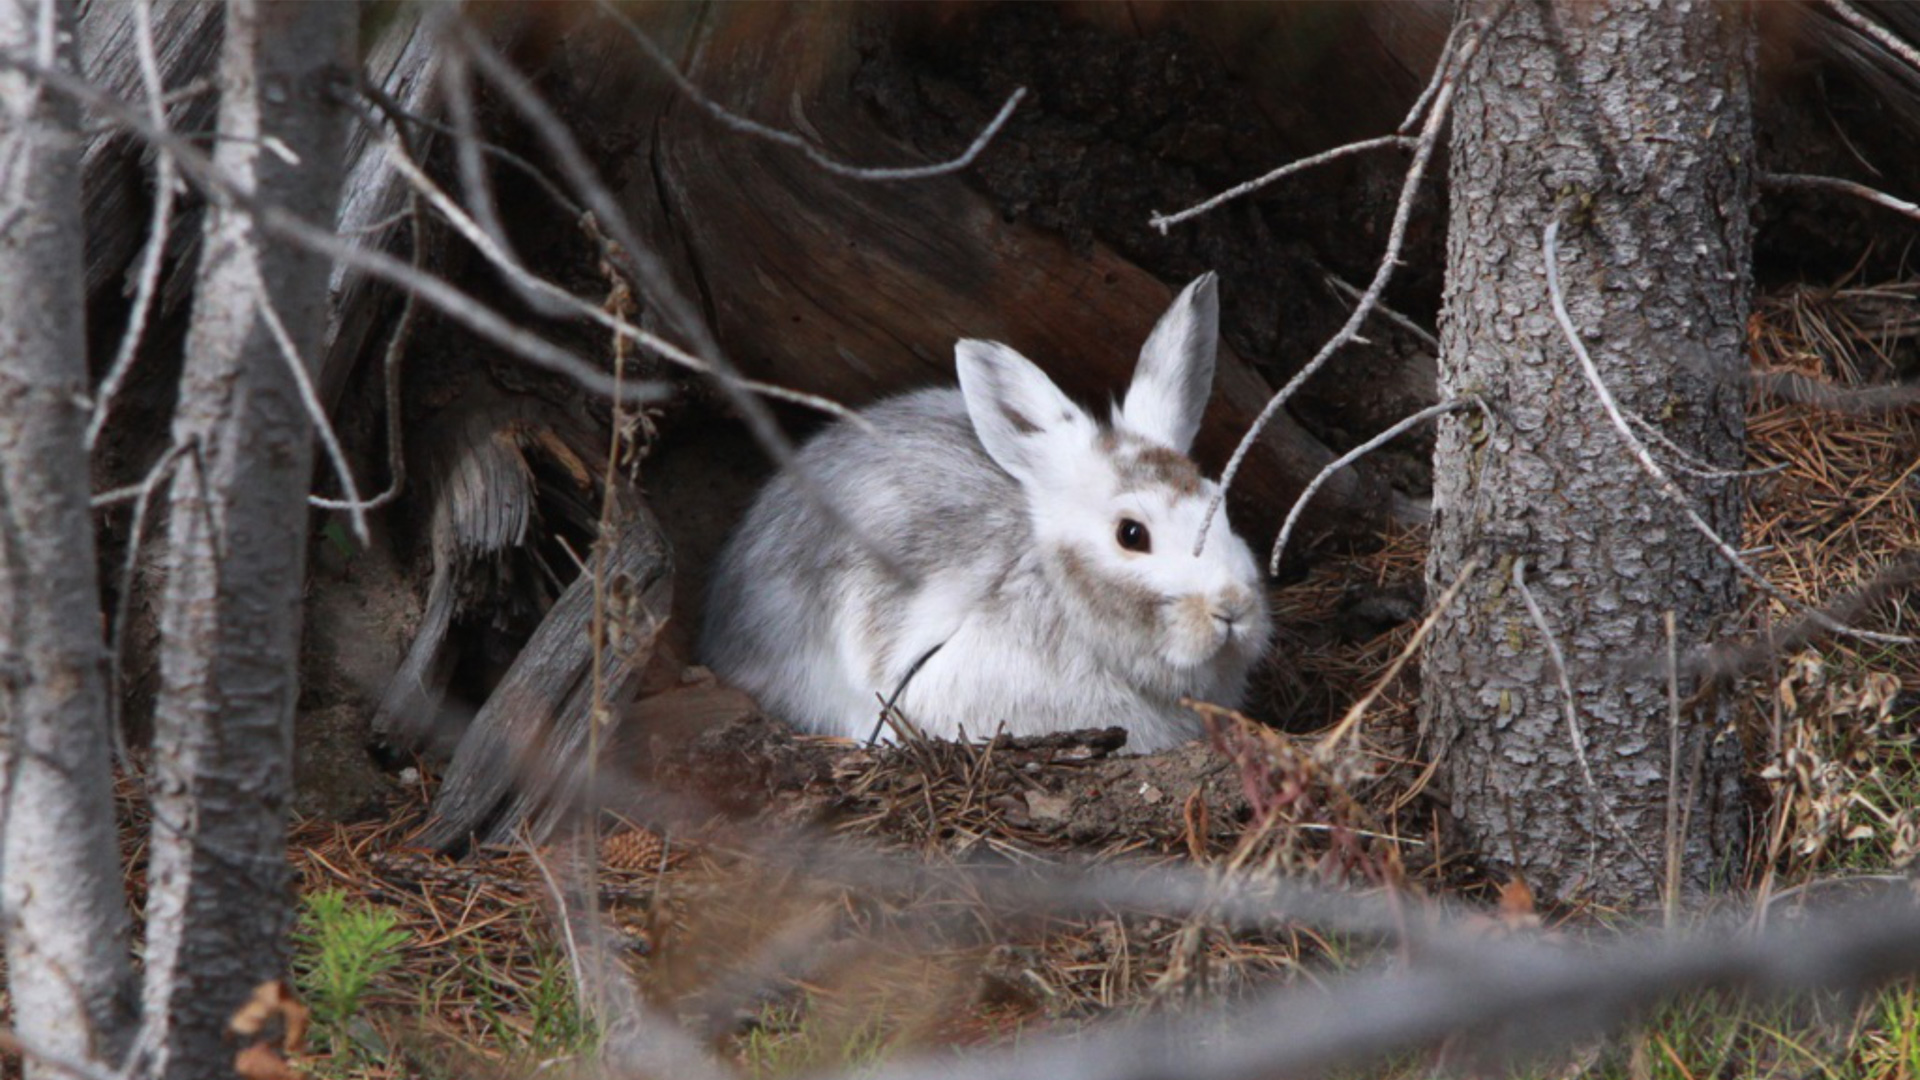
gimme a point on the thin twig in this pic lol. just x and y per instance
(1441, 68)
(1550, 250)
(1163, 222)
(1340, 287)
(1572, 714)
(396, 111)
(1675, 833)
(316, 412)
(392, 358)
(1811, 182)
(286, 225)
(1692, 464)
(1348, 458)
(1396, 237)
(566, 303)
(474, 181)
(786, 138)
(143, 493)
(652, 275)
(1887, 38)
(161, 471)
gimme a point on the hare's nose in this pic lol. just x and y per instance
(1229, 616)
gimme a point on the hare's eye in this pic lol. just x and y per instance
(1133, 536)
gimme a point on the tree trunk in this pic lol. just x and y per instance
(1630, 122)
(218, 905)
(62, 911)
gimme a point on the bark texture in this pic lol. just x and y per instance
(219, 902)
(1631, 121)
(62, 912)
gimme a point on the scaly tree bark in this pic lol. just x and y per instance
(219, 903)
(1629, 122)
(62, 911)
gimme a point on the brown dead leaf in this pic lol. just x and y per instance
(1517, 909)
(261, 1061)
(268, 1001)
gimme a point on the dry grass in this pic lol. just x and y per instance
(1831, 730)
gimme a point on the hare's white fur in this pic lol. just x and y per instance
(999, 504)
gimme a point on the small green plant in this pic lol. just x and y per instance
(341, 948)
(790, 1039)
(557, 1024)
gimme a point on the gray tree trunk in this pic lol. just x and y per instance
(62, 911)
(219, 903)
(1631, 122)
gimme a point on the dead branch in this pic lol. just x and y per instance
(1163, 222)
(1514, 995)
(1396, 237)
(1351, 456)
(283, 224)
(1801, 390)
(1886, 38)
(1807, 182)
(819, 157)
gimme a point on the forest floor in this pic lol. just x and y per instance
(774, 950)
(728, 940)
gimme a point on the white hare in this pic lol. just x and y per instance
(1045, 576)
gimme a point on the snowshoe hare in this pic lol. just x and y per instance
(1046, 576)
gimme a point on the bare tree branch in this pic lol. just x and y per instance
(786, 138)
(1887, 38)
(1342, 288)
(316, 412)
(1808, 182)
(1163, 222)
(1396, 237)
(563, 302)
(1351, 456)
(657, 284)
(1866, 401)
(1515, 995)
(1356, 711)
(286, 225)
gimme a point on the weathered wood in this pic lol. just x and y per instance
(524, 756)
(483, 503)
(115, 180)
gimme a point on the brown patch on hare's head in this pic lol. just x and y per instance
(1149, 466)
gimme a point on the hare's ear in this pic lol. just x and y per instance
(1016, 410)
(1175, 373)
